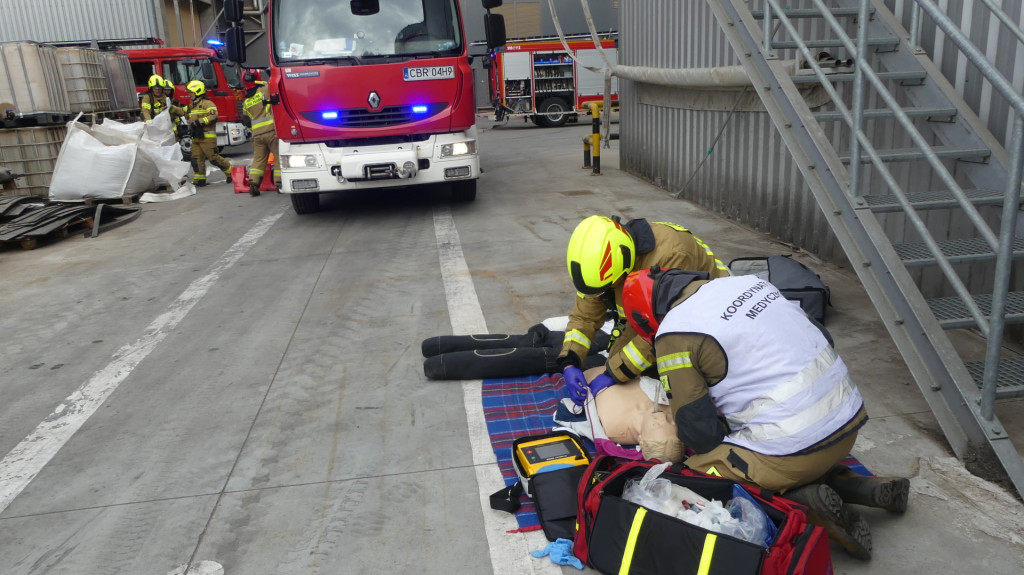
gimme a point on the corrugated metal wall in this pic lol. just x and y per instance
(749, 174)
(70, 20)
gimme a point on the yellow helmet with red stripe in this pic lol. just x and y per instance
(600, 253)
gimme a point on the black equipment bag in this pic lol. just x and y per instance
(795, 280)
(554, 494)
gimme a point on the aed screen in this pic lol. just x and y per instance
(552, 451)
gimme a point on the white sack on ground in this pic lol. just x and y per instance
(110, 160)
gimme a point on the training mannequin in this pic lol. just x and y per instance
(623, 415)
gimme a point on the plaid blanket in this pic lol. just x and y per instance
(516, 407)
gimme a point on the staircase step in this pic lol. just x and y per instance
(956, 251)
(892, 41)
(911, 154)
(1010, 382)
(934, 200)
(952, 313)
(874, 113)
(903, 75)
(813, 13)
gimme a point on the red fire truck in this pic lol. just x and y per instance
(536, 79)
(370, 94)
(182, 65)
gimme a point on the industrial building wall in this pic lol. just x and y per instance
(74, 20)
(749, 174)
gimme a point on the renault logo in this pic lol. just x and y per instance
(373, 100)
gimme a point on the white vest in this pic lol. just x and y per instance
(785, 389)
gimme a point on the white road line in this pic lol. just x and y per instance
(28, 458)
(509, 551)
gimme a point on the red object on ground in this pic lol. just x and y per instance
(267, 184)
(240, 179)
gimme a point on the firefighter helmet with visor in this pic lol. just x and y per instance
(197, 87)
(156, 81)
(601, 252)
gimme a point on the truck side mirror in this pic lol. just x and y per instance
(234, 40)
(488, 4)
(233, 10)
(494, 29)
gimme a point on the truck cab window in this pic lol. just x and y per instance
(184, 71)
(141, 71)
(327, 29)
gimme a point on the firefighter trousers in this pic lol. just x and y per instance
(774, 472)
(206, 149)
(262, 146)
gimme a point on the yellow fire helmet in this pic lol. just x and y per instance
(156, 81)
(197, 87)
(600, 253)
(168, 85)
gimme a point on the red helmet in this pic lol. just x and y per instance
(638, 302)
(648, 294)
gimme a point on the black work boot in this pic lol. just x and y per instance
(200, 183)
(889, 493)
(844, 525)
(254, 190)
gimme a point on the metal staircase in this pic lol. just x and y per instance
(897, 143)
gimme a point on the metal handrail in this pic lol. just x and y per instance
(993, 326)
(947, 178)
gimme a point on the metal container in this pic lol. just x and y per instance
(85, 77)
(30, 80)
(33, 152)
(120, 83)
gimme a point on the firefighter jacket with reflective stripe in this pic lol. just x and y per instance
(661, 244)
(204, 111)
(785, 389)
(151, 105)
(257, 108)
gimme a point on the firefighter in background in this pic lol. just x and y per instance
(176, 108)
(264, 136)
(202, 118)
(154, 100)
(601, 253)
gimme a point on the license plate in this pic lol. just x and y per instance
(429, 73)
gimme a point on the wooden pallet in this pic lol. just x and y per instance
(127, 199)
(78, 226)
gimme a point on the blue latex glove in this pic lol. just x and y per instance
(600, 382)
(576, 384)
(560, 551)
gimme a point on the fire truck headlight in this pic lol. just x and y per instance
(458, 149)
(301, 161)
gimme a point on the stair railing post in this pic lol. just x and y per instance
(1004, 262)
(859, 87)
(915, 24)
(767, 23)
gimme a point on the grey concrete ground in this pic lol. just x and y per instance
(283, 425)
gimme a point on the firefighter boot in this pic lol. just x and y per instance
(889, 493)
(844, 525)
(254, 189)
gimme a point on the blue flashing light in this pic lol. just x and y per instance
(329, 115)
(419, 109)
(214, 42)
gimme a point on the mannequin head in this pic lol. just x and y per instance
(658, 438)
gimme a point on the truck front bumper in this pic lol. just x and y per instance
(307, 168)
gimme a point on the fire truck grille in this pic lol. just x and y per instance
(386, 116)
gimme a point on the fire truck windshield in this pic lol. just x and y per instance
(305, 31)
